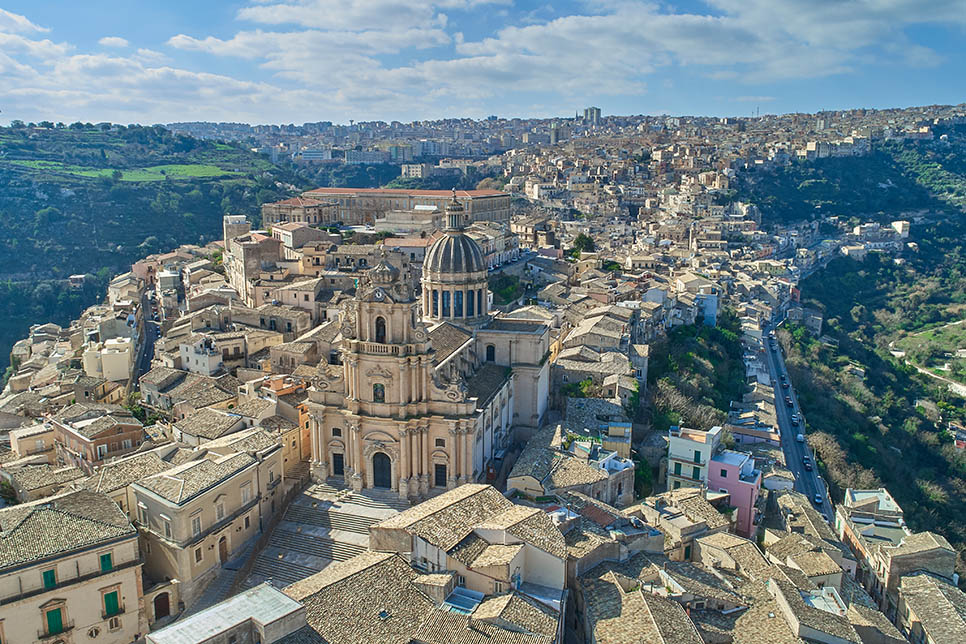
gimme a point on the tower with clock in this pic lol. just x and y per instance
(429, 387)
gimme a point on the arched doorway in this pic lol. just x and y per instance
(381, 470)
(162, 606)
(490, 353)
(223, 550)
(381, 330)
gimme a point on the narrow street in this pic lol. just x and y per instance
(146, 347)
(807, 482)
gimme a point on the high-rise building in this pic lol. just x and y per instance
(592, 116)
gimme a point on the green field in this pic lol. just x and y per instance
(151, 173)
(935, 348)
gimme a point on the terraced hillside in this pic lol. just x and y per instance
(92, 199)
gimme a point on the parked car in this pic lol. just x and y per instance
(800, 438)
(784, 385)
(818, 499)
(794, 422)
(808, 467)
(788, 401)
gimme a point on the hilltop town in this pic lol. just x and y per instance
(400, 414)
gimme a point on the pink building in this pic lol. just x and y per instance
(735, 473)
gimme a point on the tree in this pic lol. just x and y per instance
(584, 243)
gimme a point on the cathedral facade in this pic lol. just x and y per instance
(432, 388)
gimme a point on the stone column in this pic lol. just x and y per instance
(357, 481)
(404, 463)
(461, 449)
(424, 458)
(452, 448)
(469, 441)
(401, 383)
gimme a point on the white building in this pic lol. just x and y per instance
(110, 359)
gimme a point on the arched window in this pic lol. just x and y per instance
(458, 304)
(469, 304)
(479, 302)
(435, 303)
(379, 393)
(381, 330)
(490, 353)
(445, 304)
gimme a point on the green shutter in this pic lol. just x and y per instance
(111, 605)
(55, 623)
(106, 562)
(677, 468)
(696, 471)
(50, 578)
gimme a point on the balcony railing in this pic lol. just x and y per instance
(687, 459)
(45, 635)
(117, 613)
(682, 475)
(382, 349)
(62, 583)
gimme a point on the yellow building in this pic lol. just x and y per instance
(197, 516)
(70, 570)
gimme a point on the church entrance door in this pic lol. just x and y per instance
(381, 470)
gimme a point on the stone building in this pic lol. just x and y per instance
(425, 400)
(364, 205)
(70, 569)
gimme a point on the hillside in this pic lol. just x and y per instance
(87, 199)
(694, 374)
(895, 178)
(863, 405)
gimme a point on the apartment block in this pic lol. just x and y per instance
(70, 571)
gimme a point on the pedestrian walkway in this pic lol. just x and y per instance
(325, 523)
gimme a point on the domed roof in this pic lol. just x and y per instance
(454, 253)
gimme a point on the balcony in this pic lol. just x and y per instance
(689, 460)
(380, 349)
(106, 615)
(72, 581)
(65, 628)
(686, 477)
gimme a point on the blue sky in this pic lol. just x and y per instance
(292, 61)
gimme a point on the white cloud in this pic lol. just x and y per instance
(15, 23)
(342, 59)
(113, 41)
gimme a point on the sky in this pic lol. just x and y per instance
(296, 61)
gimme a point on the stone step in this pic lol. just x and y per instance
(329, 487)
(329, 519)
(379, 500)
(282, 573)
(313, 545)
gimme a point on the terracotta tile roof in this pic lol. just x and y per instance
(939, 605)
(369, 598)
(447, 338)
(183, 483)
(404, 192)
(446, 519)
(56, 525)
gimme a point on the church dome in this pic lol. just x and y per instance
(454, 274)
(454, 253)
